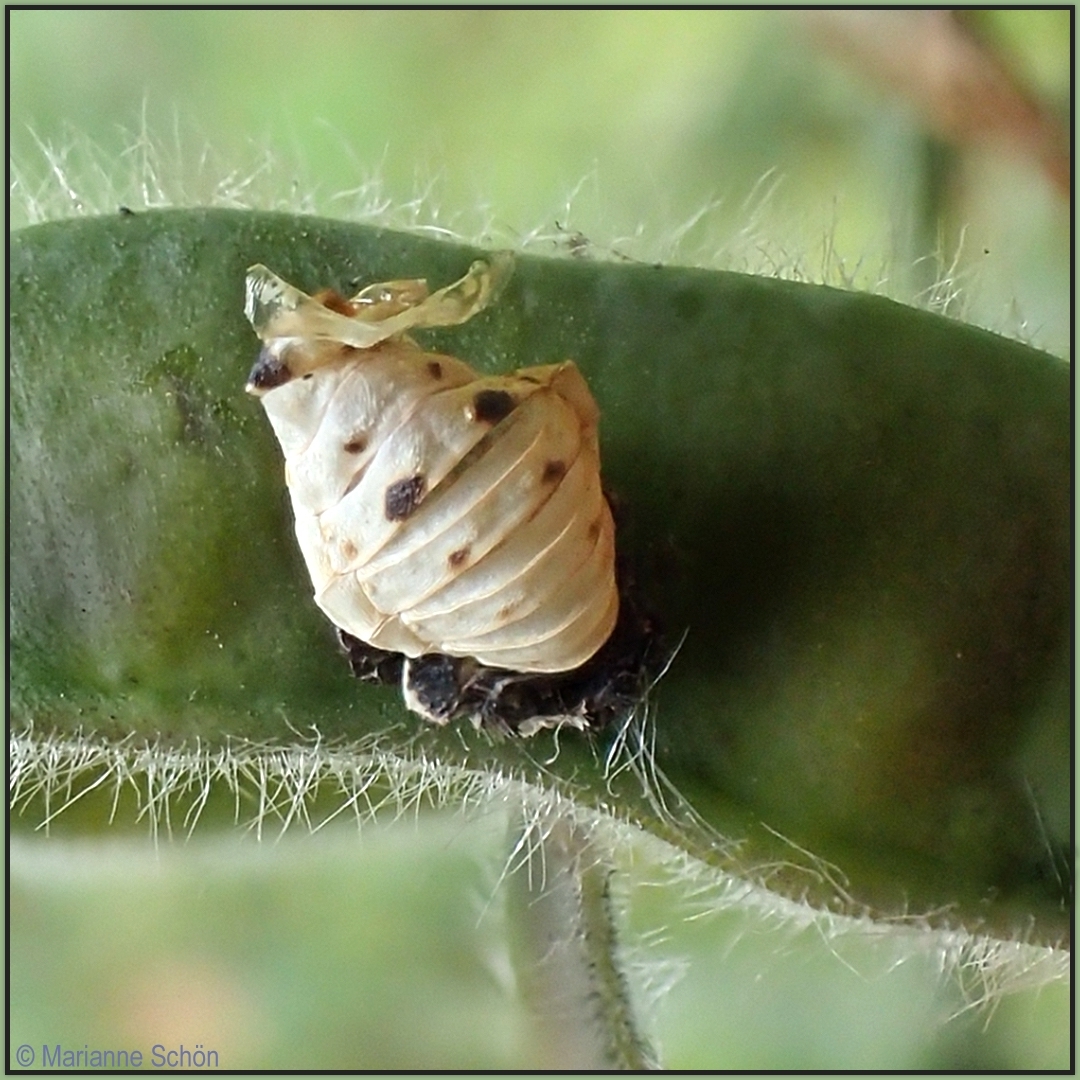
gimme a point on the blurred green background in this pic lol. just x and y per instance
(778, 142)
(888, 149)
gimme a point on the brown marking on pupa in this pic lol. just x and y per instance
(357, 443)
(434, 369)
(348, 549)
(491, 406)
(458, 558)
(403, 497)
(553, 472)
(594, 529)
(332, 299)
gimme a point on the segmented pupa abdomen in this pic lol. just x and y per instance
(438, 511)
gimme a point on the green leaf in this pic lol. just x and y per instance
(853, 516)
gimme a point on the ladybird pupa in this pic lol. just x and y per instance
(455, 519)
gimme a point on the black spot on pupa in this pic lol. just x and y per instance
(553, 472)
(434, 369)
(457, 558)
(403, 497)
(491, 406)
(269, 371)
(125, 211)
(357, 444)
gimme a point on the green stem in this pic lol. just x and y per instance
(566, 952)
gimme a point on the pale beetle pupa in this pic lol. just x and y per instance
(454, 525)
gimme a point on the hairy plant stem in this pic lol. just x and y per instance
(566, 952)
